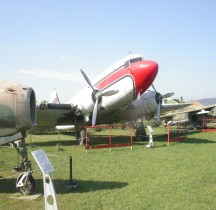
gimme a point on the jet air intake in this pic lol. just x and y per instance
(17, 108)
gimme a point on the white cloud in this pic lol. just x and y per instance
(64, 56)
(75, 77)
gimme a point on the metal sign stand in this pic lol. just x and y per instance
(46, 168)
(150, 137)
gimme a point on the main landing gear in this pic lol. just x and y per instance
(140, 132)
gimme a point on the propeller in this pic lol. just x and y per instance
(97, 96)
(159, 98)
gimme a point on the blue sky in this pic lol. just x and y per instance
(44, 44)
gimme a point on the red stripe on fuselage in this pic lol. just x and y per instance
(142, 72)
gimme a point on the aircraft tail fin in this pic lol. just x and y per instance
(54, 99)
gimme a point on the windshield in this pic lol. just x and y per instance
(134, 60)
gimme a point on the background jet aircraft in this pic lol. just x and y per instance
(17, 110)
(17, 116)
(192, 114)
(118, 94)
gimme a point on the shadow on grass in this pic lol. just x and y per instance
(197, 141)
(8, 186)
(190, 139)
(55, 142)
(88, 186)
(104, 139)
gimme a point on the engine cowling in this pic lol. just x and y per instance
(17, 108)
(145, 106)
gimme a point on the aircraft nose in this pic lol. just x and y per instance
(150, 68)
(145, 75)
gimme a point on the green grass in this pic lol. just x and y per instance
(179, 176)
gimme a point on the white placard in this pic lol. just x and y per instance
(43, 161)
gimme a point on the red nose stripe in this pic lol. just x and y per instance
(143, 73)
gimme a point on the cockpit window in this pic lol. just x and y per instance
(134, 60)
(127, 63)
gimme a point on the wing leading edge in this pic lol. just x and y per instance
(173, 107)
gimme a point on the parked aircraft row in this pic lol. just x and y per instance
(192, 114)
(119, 94)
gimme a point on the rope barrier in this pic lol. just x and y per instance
(57, 166)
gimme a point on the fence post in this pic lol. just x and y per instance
(110, 138)
(168, 134)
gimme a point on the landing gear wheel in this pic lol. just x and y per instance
(77, 135)
(28, 184)
(141, 133)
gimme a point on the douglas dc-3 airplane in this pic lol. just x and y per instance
(119, 94)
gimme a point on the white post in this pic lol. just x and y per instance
(150, 130)
(46, 168)
(49, 193)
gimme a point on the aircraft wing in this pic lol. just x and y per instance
(50, 115)
(173, 107)
(189, 109)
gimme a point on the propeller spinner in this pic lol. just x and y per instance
(97, 96)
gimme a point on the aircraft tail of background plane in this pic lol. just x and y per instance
(54, 99)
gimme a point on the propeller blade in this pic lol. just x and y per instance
(168, 95)
(158, 114)
(159, 109)
(87, 79)
(94, 115)
(159, 98)
(154, 88)
(110, 93)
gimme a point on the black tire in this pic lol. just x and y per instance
(29, 188)
(77, 135)
(141, 134)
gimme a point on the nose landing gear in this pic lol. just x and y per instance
(25, 183)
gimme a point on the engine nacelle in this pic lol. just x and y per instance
(145, 106)
(17, 108)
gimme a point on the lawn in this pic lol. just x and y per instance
(179, 176)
